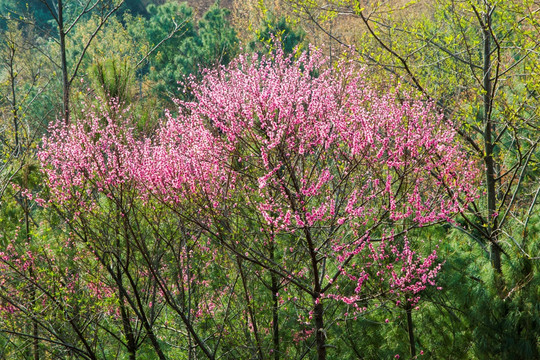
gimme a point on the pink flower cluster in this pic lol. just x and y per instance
(304, 145)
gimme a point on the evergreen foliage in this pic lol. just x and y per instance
(169, 265)
(279, 28)
(190, 45)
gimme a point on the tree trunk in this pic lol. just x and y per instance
(65, 81)
(275, 306)
(489, 129)
(410, 330)
(320, 335)
(33, 299)
(318, 309)
(14, 109)
(249, 305)
(128, 330)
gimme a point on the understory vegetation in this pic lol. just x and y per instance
(280, 179)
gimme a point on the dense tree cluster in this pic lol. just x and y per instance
(269, 179)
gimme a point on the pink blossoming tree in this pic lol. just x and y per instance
(299, 177)
(153, 263)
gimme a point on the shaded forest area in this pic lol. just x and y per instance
(271, 179)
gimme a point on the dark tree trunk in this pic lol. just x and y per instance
(489, 129)
(65, 81)
(410, 330)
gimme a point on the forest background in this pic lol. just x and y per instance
(121, 276)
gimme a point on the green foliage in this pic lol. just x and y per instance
(140, 55)
(169, 24)
(215, 44)
(180, 46)
(135, 7)
(34, 9)
(114, 77)
(468, 318)
(281, 29)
